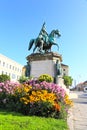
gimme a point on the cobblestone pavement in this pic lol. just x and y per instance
(77, 119)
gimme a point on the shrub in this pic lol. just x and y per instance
(4, 77)
(6, 92)
(45, 77)
(23, 79)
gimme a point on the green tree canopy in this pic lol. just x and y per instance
(67, 81)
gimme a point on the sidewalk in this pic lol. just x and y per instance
(73, 95)
(77, 118)
(70, 115)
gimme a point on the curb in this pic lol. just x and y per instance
(70, 119)
(70, 113)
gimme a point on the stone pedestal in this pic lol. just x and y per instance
(60, 82)
(43, 63)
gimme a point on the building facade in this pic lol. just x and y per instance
(65, 70)
(10, 67)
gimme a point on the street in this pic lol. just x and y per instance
(82, 97)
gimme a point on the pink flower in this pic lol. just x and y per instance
(0, 90)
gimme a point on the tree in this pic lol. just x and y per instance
(67, 81)
(23, 79)
(4, 77)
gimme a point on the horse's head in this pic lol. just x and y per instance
(57, 33)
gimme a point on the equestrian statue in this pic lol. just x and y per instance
(44, 41)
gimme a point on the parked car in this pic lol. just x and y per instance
(71, 88)
(85, 89)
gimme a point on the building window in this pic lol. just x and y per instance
(18, 77)
(64, 74)
(7, 65)
(13, 67)
(3, 64)
(10, 66)
(13, 76)
(2, 72)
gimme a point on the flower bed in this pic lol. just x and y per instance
(35, 98)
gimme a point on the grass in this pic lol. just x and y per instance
(16, 121)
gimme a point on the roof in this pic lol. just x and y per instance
(64, 65)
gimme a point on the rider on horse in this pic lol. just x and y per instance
(44, 41)
(43, 35)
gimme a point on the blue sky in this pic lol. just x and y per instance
(21, 20)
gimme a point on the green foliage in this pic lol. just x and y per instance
(45, 77)
(43, 109)
(23, 79)
(67, 81)
(4, 77)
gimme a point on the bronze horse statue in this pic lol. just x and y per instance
(45, 45)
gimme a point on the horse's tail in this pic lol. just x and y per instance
(31, 44)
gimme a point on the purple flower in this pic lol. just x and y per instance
(8, 87)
